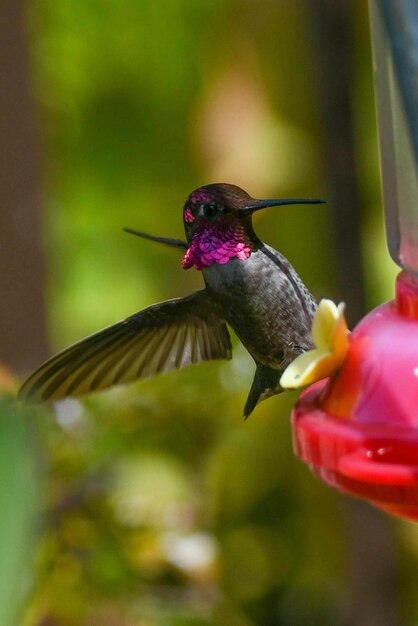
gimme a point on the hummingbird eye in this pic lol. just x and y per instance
(209, 209)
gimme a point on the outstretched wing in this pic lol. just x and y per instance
(165, 336)
(167, 241)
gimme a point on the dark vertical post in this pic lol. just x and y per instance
(22, 325)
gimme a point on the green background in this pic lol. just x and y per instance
(157, 504)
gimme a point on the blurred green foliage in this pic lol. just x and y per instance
(162, 507)
(20, 476)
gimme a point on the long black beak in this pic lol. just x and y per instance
(174, 243)
(257, 205)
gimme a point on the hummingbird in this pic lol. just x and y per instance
(248, 285)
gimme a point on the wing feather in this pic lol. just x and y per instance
(75, 373)
(165, 336)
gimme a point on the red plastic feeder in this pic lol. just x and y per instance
(359, 430)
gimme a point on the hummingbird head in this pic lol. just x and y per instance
(211, 205)
(218, 223)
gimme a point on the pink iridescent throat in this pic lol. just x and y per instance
(217, 243)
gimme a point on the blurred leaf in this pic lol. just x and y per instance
(19, 494)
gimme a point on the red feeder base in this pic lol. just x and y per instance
(359, 431)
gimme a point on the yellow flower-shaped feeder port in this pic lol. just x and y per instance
(330, 336)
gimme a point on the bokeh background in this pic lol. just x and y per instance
(155, 504)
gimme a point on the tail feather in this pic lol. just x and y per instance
(265, 384)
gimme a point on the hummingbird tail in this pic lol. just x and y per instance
(265, 384)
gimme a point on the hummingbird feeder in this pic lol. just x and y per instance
(358, 428)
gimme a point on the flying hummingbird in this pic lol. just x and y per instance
(248, 285)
